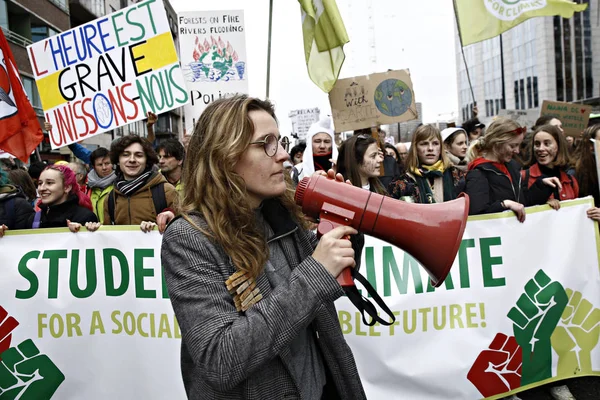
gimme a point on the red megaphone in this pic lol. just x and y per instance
(411, 227)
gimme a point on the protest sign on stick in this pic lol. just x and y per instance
(108, 73)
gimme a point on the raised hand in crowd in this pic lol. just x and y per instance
(3, 228)
(152, 118)
(47, 126)
(90, 226)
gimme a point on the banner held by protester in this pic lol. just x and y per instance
(108, 73)
(91, 312)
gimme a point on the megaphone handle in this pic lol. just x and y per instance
(345, 277)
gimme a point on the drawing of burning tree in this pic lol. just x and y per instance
(215, 62)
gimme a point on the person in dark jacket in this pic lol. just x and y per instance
(494, 178)
(430, 177)
(360, 161)
(253, 290)
(14, 208)
(585, 169)
(62, 204)
(550, 157)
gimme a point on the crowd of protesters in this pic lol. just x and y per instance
(504, 167)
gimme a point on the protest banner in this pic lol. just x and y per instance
(372, 100)
(302, 120)
(212, 48)
(108, 73)
(90, 312)
(574, 117)
(525, 118)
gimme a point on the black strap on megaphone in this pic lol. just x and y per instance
(364, 305)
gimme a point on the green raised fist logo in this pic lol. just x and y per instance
(25, 374)
(577, 335)
(534, 317)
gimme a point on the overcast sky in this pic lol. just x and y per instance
(408, 35)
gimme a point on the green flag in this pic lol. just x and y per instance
(324, 37)
(484, 19)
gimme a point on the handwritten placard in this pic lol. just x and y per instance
(108, 73)
(372, 100)
(212, 47)
(574, 117)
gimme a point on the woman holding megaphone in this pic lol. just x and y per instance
(494, 182)
(430, 177)
(252, 288)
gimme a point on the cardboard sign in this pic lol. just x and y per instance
(372, 100)
(525, 118)
(108, 73)
(212, 47)
(303, 119)
(574, 117)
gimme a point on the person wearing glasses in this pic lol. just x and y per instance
(251, 286)
(494, 182)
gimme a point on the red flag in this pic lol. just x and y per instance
(20, 131)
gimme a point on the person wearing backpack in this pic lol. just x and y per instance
(15, 210)
(141, 196)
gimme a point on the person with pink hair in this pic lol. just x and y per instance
(62, 203)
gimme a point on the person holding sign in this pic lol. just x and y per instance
(586, 170)
(494, 177)
(430, 177)
(252, 288)
(550, 157)
(141, 195)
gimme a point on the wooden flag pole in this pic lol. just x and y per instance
(269, 47)
(462, 50)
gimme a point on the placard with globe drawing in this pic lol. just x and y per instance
(371, 100)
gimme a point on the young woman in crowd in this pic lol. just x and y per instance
(141, 195)
(21, 179)
(429, 176)
(494, 178)
(274, 332)
(455, 147)
(585, 169)
(62, 204)
(360, 161)
(15, 210)
(321, 152)
(550, 157)
(549, 120)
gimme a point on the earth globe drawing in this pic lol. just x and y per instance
(393, 97)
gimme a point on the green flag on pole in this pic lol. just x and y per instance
(324, 37)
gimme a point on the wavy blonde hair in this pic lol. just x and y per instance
(498, 133)
(211, 187)
(425, 132)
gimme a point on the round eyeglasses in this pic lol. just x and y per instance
(270, 144)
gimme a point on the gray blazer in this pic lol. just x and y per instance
(230, 355)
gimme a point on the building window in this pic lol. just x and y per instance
(3, 15)
(587, 52)
(32, 93)
(41, 32)
(517, 95)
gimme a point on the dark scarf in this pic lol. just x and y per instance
(128, 188)
(322, 162)
(425, 177)
(549, 172)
